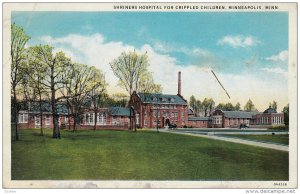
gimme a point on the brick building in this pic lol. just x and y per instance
(230, 119)
(107, 118)
(159, 110)
(268, 118)
(199, 122)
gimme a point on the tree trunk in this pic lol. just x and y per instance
(74, 126)
(16, 112)
(95, 120)
(41, 116)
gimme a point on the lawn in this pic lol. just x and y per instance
(281, 139)
(143, 155)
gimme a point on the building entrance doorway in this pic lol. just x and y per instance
(168, 122)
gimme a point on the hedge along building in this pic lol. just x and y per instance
(153, 110)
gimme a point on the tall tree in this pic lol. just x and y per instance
(18, 42)
(129, 68)
(286, 114)
(55, 67)
(208, 104)
(192, 104)
(249, 106)
(237, 106)
(36, 70)
(82, 79)
(98, 89)
(198, 108)
(273, 104)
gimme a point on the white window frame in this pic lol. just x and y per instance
(137, 118)
(114, 120)
(37, 121)
(47, 120)
(23, 118)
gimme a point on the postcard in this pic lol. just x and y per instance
(150, 95)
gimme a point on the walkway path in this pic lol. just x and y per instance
(229, 139)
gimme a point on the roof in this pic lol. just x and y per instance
(239, 114)
(198, 118)
(119, 111)
(34, 107)
(270, 110)
(161, 98)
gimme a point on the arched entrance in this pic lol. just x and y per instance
(168, 122)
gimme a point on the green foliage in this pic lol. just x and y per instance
(124, 155)
(249, 106)
(132, 71)
(280, 127)
(273, 104)
(229, 107)
(18, 60)
(286, 111)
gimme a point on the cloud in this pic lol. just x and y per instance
(276, 70)
(165, 47)
(280, 57)
(196, 80)
(239, 41)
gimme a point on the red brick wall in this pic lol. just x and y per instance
(198, 124)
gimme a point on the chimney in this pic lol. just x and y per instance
(179, 83)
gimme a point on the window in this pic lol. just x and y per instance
(47, 121)
(217, 120)
(23, 118)
(89, 118)
(37, 121)
(66, 119)
(114, 120)
(137, 118)
(101, 119)
(174, 114)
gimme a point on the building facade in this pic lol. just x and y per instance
(105, 118)
(234, 119)
(199, 122)
(159, 110)
(269, 118)
(231, 119)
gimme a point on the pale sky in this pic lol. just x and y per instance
(247, 51)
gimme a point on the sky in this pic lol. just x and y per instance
(248, 51)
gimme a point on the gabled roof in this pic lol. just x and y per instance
(270, 110)
(119, 111)
(34, 107)
(155, 98)
(198, 119)
(239, 114)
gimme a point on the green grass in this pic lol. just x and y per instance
(282, 139)
(125, 155)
